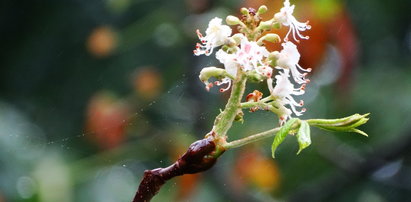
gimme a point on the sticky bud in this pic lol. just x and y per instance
(232, 20)
(263, 9)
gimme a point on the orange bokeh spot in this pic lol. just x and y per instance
(147, 82)
(253, 168)
(102, 41)
(106, 120)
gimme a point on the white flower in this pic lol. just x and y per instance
(264, 70)
(229, 62)
(216, 35)
(231, 67)
(250, 55)
(288, 59)
(283, 92)
(285, 17)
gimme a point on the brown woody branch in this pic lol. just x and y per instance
(200, 156)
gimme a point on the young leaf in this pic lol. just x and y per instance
(281, 134)
(347, 124)
(303, 136)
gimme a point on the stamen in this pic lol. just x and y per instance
(303, 87)
(199, 34)
(208, 86)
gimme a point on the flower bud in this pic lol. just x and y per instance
(239, 117)
(276, 25)
(237, 38)
(273, 38)
(232, 20)
(265, 25)
(274, 55)
(208, 72)
(244, 11)
(263, 9)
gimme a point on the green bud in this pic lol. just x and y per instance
(244, 11)
(208, 72)
(239, 117)
(273, 38)
(265, 25)
(274, 55)
(237, 38)
(276, 25)
(263, 9)
(232, 20)
(347, 124)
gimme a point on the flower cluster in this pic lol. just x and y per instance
(244, 53)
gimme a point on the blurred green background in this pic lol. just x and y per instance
(94, 92)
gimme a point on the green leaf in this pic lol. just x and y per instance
(281, 134)
(346, 124)
(303, 136)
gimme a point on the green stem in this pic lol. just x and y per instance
(265, 106)
(267, 99)
(254, 104)
(251, 138)
(224, 120)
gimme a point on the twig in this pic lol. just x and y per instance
(199, 157)
(251, 138)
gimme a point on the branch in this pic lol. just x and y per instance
(251, 138)
(200, 156)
